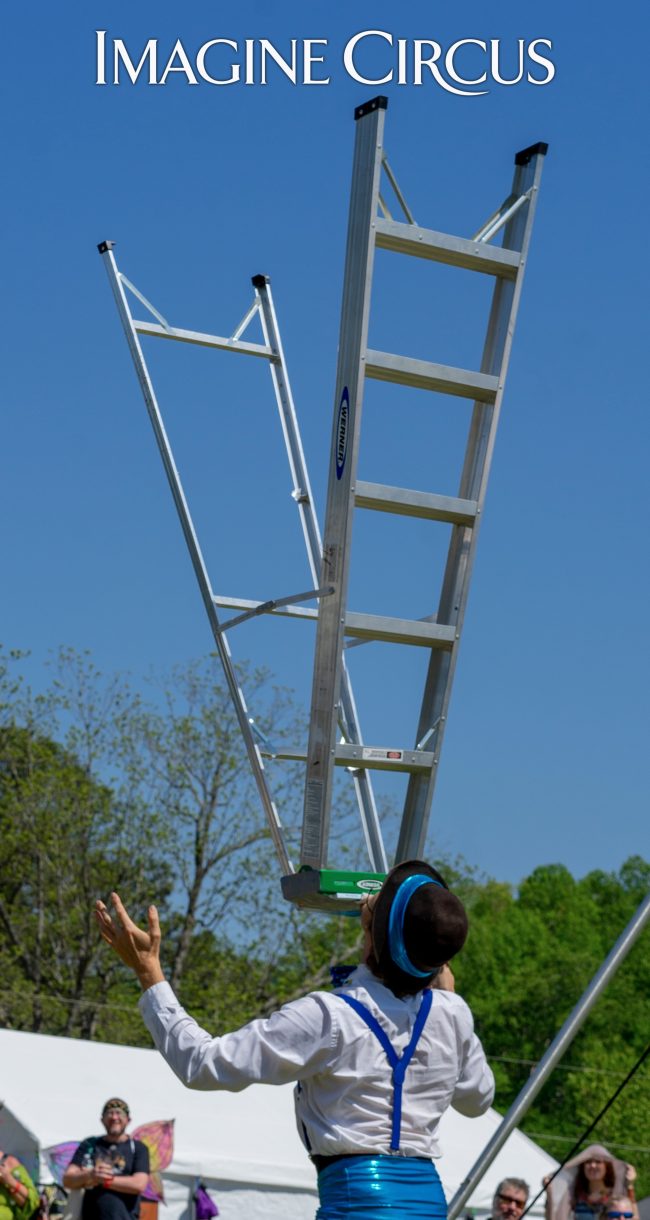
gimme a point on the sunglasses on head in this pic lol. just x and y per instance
(619, 1215)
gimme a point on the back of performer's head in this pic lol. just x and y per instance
(417, 926)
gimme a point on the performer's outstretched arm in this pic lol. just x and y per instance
(138, 949)
(298, 1041)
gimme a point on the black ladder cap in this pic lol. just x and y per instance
(527, 154)
(377, 103)
(259, 281)
(104, 246)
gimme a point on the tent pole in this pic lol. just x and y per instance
(554, 1053)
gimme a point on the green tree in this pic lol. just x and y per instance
(65, 841)
(528, 960)
(217, 840)
(100, 790)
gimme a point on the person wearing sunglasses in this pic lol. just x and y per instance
(586, 1186)
(622, 1208)
(510, 1199)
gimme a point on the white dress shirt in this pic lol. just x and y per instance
(344, 1092)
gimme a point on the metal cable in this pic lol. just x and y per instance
(590, 1128)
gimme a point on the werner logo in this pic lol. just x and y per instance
(341, 436)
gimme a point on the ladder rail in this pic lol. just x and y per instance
(198, 563)
(473, 486)
(348, 717)
(348, 402)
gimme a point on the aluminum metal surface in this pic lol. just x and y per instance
(198, 563)
(406, 503)
(348, 401)
(473, 486)
(398, 630)
(424, 375)
(348, 720)
(203, 340)
(444, 248)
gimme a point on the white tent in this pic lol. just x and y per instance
(243, 1145)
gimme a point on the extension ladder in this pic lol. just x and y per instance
(371, 227)
(272, 351)
(335, 737)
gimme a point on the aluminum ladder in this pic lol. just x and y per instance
(156, 326)
(335, 737)
(370, 227)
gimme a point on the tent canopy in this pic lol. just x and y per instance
(53, 1089)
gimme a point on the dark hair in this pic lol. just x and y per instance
(435, 928)
(581, 1185)
(515, 1183)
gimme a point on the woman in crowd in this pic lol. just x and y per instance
(19, 1197)
(589, 1184)
(377, 1061)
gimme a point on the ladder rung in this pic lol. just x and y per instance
(202, 340)
(399, 630)
(443, 248)
(382, 366)
(417, 762)
(241, 603)
(406, 503)
(372, 758)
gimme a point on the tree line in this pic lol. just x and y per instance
(102, 789)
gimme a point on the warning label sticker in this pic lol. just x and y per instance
(371, 752)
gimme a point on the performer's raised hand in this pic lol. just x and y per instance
(138, 949)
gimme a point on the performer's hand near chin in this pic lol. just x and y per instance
(138, 949)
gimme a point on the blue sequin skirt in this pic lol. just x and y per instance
(381, 1188)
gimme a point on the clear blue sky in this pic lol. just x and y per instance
(545, 757)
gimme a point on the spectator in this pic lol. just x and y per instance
(19, 1197)
(585, 1187)
(621, 1207)
(112, 1169)
(510, 1199)
(377, 1062)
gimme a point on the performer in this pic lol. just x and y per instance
(377, 1062)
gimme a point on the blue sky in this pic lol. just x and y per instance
(201, 187)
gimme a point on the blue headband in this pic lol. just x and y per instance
(396, 945)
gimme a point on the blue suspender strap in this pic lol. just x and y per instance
(398, 1063)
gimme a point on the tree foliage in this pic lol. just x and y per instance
(102, 789)
(528, 960)
(66, 837)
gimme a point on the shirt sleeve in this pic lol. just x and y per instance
(292, 1044)
(474, 1091)
(140, 1157)
(31, 1202)
(81, 1152)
